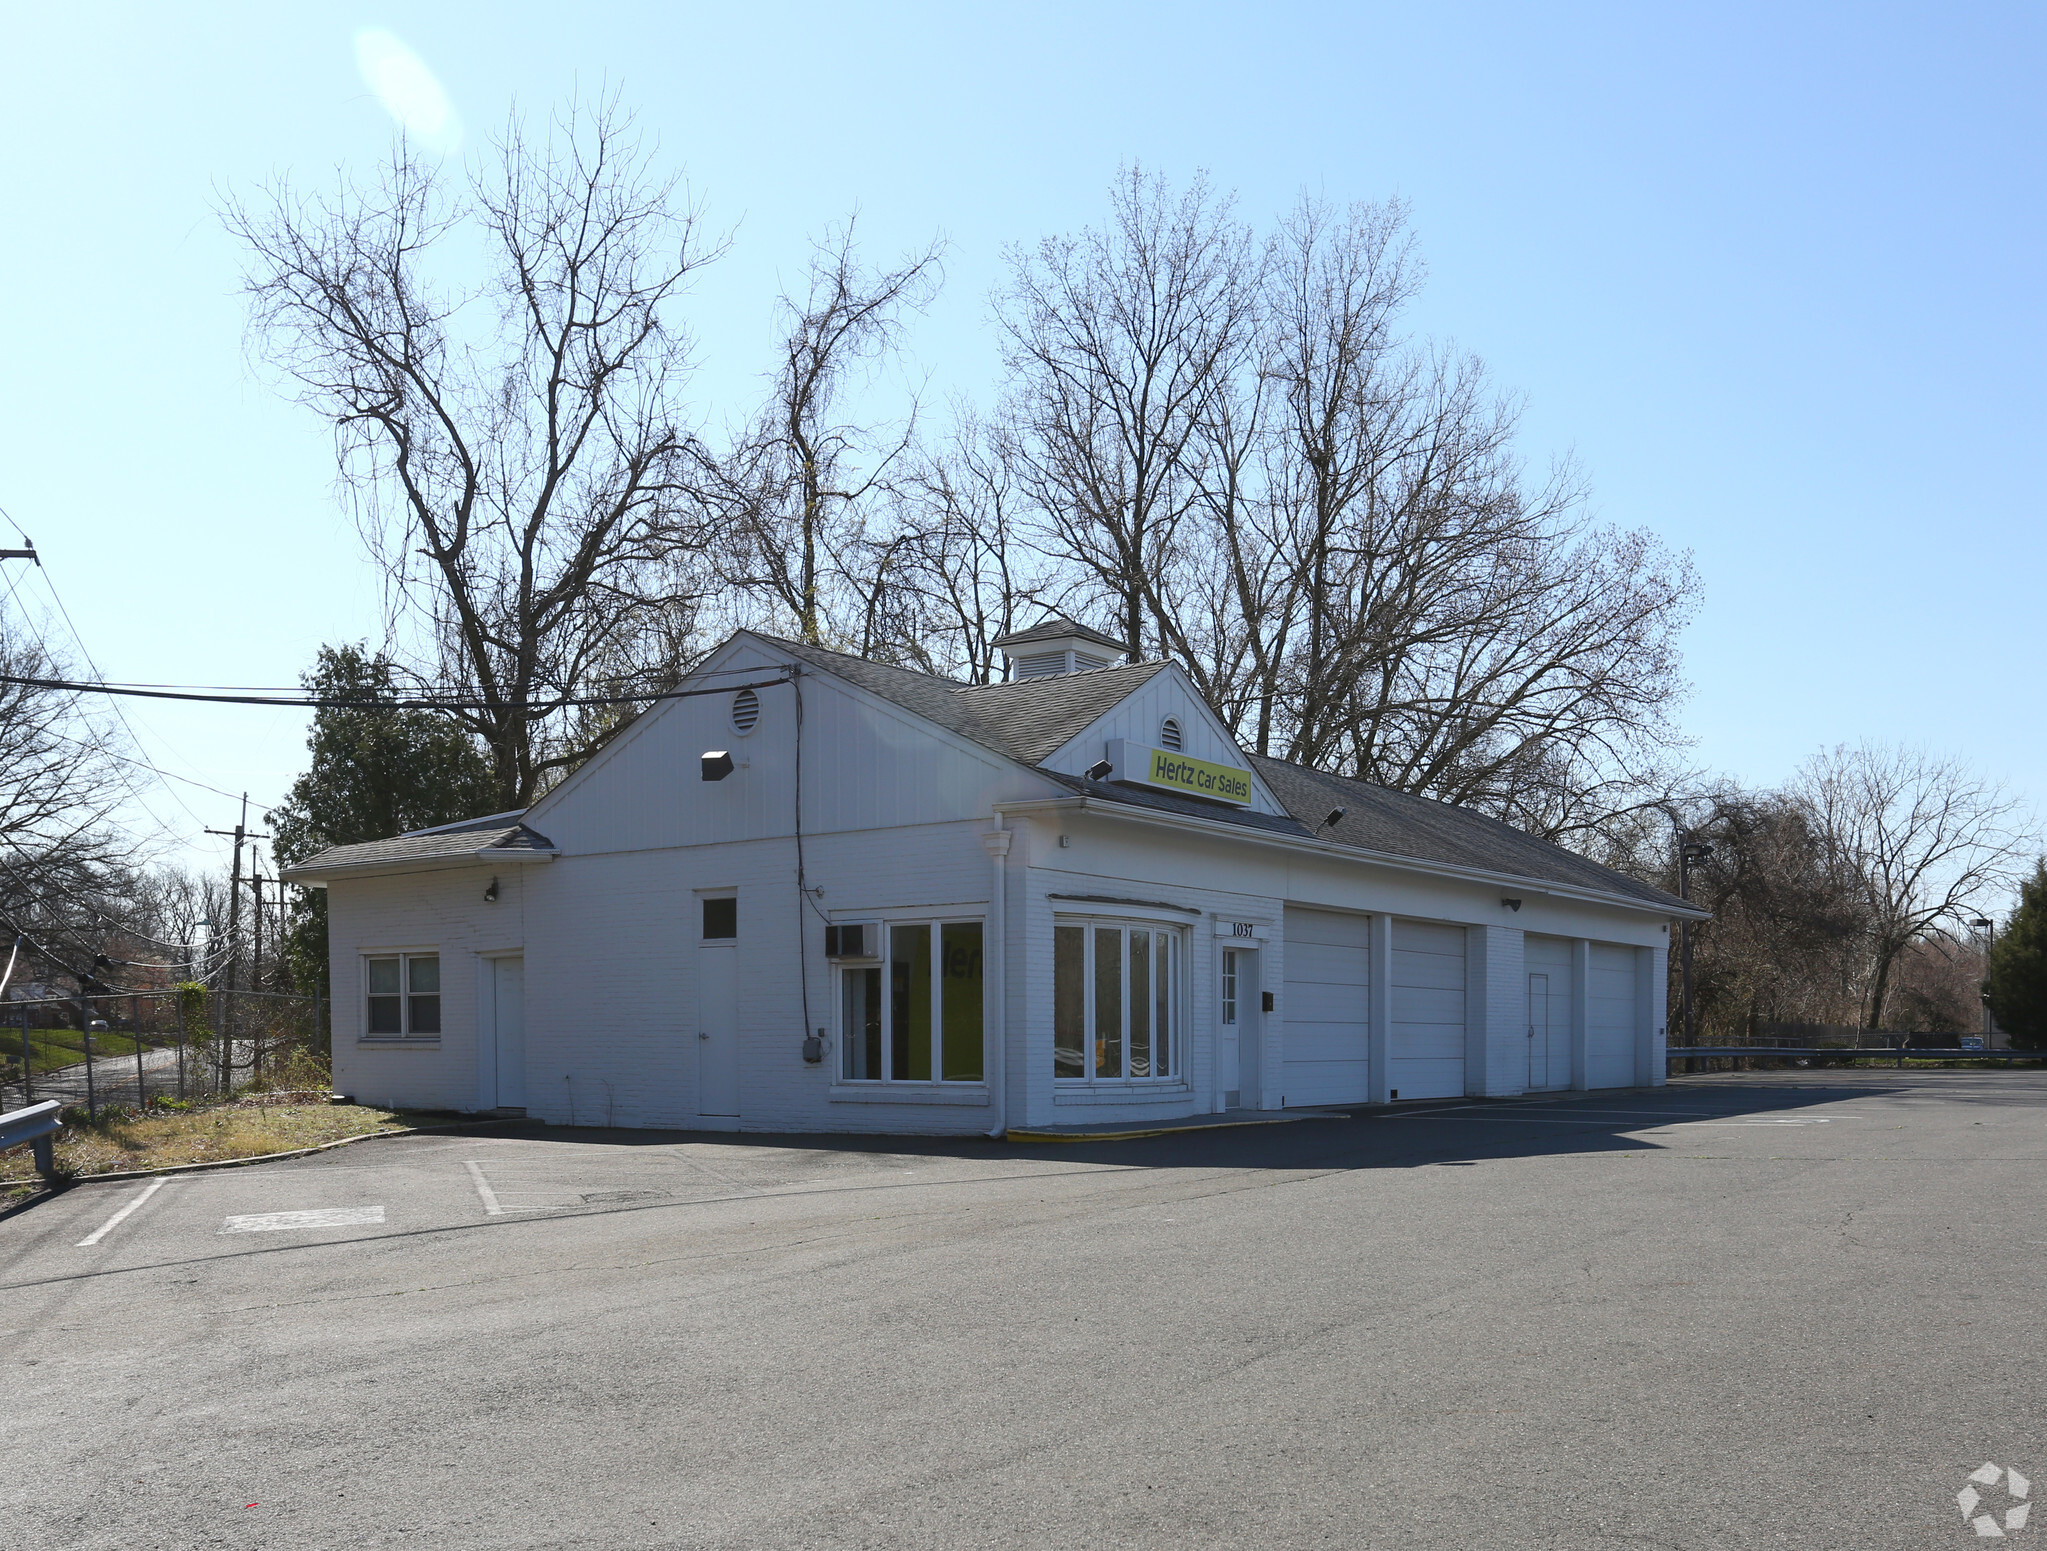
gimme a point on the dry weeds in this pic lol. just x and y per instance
(169, 1139)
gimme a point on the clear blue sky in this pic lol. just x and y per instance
(1773, 273)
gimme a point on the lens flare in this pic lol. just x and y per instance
(407, 89)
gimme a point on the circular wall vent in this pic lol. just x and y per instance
(746, 710)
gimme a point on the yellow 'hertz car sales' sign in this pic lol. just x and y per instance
(1177, 773)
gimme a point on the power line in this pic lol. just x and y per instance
(80, 900)
(169, 775)
(51, 587)
(356, 703)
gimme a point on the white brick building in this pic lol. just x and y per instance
(1065, 899)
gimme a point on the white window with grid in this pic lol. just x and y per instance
(1116, 1001)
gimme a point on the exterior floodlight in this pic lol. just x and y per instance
(1335, 817)
(1100, 770)
(490, 894)
(717, 765)
(1511, 904)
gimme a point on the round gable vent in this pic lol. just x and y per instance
(746, 710)
(1170, 736)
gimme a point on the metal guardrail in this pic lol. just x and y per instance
(1897, 1053)
(36, 1124)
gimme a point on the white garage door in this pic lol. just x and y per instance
(1549, 1011)
(1610, 1018)
(1328, 979)
(1428, 1011)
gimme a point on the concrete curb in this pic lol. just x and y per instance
(269, 1157)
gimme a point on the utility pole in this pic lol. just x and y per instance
(241, 834)
(256, 970)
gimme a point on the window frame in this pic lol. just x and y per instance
(1177, 939)
(936, 925)
(404, 996)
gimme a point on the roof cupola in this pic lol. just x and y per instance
(1055, 645)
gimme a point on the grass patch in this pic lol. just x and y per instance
(165, 1136)
(50, 1049)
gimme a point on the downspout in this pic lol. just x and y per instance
(996, 958)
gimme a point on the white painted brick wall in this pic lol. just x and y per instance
(610, 930)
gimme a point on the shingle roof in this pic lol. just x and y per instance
(1056, 627)
(430, 845)
(1029, 719)
(1378, 818)
(1036, 717)
(1026, 720)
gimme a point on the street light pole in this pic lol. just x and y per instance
(1989, 929)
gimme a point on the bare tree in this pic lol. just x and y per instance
(966, 563)
(1926, 837)
(1790, 917)
(514, 449)
(801, 487)
(1384, 592)
(65, 869)
(1116, 344)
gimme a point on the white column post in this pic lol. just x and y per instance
(1379, 1010)
(1581, 1013)
(994, 960)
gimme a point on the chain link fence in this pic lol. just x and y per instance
(127, 1050)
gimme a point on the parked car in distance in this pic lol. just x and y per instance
(97, 1026)
(1936, 1042)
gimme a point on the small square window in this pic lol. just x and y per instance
(721, 919)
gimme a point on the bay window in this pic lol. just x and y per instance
(1115, 1000)
(917, 1016)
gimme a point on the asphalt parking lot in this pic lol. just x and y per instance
(1757, 1311)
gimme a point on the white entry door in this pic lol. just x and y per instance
(717, 1029)
(1236, 1006)
(508, 1032)
(1538, 1032)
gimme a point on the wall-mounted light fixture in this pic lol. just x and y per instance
(1511, 904)
(490, 895)
(1100, 770)
(1335, 818)
(717, 764)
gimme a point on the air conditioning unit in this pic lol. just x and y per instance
(853, 940)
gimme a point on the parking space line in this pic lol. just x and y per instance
(123, 1214)
(490, 1196)
(323, 1217)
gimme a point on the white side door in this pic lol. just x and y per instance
(717, 1029)
(508, 1032)
(1538, 1032)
